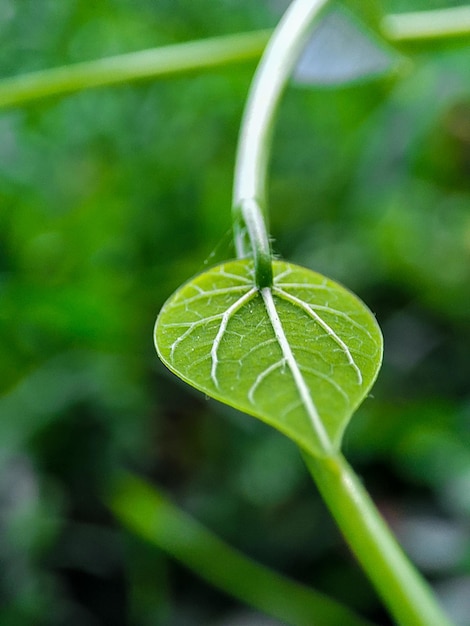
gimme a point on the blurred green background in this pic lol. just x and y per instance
(109, 199)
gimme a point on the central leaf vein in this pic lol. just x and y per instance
(291, 361)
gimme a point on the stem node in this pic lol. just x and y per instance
(252, 218)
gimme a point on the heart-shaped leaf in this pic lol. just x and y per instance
(300, 355)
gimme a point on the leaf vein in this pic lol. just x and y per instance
(264, 374)
(209, 294)
(321, 322)
(226, 317)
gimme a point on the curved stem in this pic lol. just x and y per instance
(149, 514)
(401, 587)
(255, 134)
(152, 63)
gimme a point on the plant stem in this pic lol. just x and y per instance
(401, 587)
(427, 25)
(152, 63)
(268, 84)
(149, 514)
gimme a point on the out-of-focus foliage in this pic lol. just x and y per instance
(109, 199)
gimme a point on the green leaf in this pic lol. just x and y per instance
(300, 355)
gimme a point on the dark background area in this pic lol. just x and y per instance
(111, 198)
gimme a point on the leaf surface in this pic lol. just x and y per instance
(300, 355)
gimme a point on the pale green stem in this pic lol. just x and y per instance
(153, 63)
(427, 25)
(401, 587)
(149, 514)
(266, 89)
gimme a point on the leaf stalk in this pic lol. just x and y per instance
(400, 585)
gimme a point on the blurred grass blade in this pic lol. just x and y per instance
(421, 26)
(149, 514)
(144, 64)
(202, 54)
